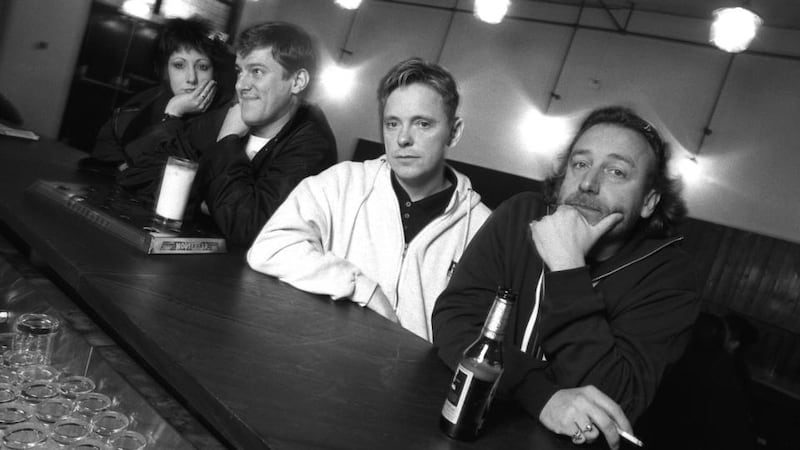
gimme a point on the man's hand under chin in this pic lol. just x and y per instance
(564, 238)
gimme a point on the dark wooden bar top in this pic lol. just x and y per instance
(265, 365)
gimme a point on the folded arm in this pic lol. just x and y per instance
(623, 352)
(294, 246)
(242, 197)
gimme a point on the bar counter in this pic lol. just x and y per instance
(265, 365)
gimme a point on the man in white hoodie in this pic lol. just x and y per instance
(385, 233)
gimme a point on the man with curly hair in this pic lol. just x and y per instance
(606, 296)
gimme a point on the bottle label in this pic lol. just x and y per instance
(456, 396)
(468, 398)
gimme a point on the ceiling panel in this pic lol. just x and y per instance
(775, 13)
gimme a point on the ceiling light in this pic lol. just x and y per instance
(138, 8)
(349, 4)
(688, 169)
(491, 11)
(177, 9)
(338, 81)
(734, 28)
(543, 134)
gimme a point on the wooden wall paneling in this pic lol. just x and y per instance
(716, 261)
(748, 273)
(750, 295)
(736, 290)
(787, 288)
(758, 278)
(785, 359)
(764, 354)
(769, 284)
(792, 369)
(702, 239)
(725, 268)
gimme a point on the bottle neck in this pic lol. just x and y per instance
(494, 327)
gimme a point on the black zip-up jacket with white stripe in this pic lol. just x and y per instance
(617, 324)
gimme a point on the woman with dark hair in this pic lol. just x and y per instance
(188, 60)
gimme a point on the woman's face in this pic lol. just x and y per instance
(187, 69)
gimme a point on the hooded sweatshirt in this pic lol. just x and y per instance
(340, 234)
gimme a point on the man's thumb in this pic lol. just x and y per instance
(606, 223)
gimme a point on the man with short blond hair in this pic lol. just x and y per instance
(384, 233)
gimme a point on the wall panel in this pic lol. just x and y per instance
(750, 162)
(747, 165)
(670, 83)
(503, 73)
(757, 277)
(322, 18)
(39, 48)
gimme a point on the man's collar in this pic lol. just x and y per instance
(638, 246)
(292, 117)
(402, 194)
(448, 175)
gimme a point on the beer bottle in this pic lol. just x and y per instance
(477, 375)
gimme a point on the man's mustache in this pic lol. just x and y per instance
(586, 201)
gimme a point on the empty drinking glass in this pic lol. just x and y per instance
(37, 373)
(25, 435)
(8, 392)
(76, 385)
(36, 391)
(70, 430)
(108, 423)
(13, 413)
(90, 444)
(128, 440)
(92, 403)
(53, 409)
(35, 333)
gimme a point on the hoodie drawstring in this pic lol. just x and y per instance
(526, 340)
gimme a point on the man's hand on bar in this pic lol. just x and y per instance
(583, 413)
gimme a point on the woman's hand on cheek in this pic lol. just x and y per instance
(193, 102)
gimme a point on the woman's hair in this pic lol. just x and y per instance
(187, 34)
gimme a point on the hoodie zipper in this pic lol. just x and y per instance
(530, 335)
(447, 211)
(399, 272)
(596, 279)
(407, 244)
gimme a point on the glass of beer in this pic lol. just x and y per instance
(173, 194)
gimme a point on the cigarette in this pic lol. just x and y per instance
(629, 437)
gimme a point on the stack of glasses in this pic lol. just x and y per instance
(42, 407)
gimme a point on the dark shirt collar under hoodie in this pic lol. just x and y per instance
(416, 215)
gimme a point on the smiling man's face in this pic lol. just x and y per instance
(267, 93)
(607, 171)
